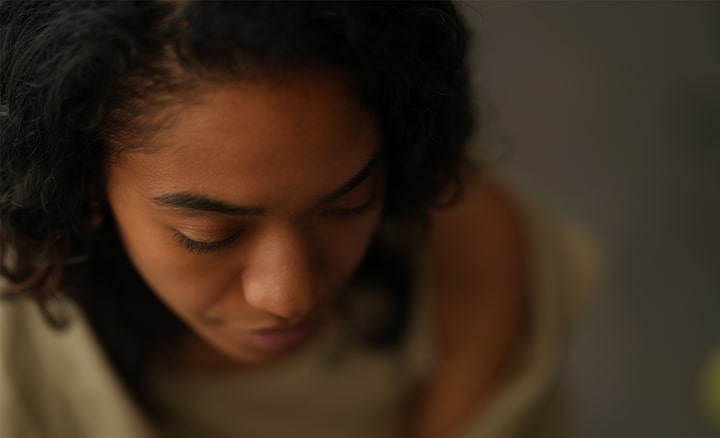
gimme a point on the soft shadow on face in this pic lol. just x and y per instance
(253, 208)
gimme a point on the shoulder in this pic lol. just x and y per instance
(506, 280)
(50, 378)
(477, 241)
(25, 390)
(475, 261)
(475, 271)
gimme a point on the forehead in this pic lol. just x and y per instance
(250, 141)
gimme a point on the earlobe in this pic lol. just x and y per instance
(96, 201)
(96, 216)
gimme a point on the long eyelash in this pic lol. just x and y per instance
(353, 211)
(205, 247)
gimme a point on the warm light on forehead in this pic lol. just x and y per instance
(187, 201)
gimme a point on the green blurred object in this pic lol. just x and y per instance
(710, 387)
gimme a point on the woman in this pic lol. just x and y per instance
(259, 219)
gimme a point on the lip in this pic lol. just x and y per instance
(281, 339)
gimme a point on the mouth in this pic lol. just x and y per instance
(275, 340)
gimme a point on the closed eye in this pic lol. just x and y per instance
(348, 212)
(199, 247)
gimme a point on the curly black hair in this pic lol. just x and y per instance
(78, 80)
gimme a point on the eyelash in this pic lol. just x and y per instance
(353, 211)
(209, 247)
(205, 247)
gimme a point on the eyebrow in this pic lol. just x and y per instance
(197, 202)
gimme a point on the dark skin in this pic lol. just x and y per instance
(248, 213)
(475, 260)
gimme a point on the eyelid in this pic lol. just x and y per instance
(198, 247)
(353, 211)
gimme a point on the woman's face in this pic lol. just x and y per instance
(249, 212)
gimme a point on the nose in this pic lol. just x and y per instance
(282, 278)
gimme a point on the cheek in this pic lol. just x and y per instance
(183, 281)
(177, 277)
(346, 245)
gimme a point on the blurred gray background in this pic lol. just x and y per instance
(609, 112)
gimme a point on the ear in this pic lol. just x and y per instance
(96, 199)
(96, 193)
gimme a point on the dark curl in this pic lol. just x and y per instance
(79, 79)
